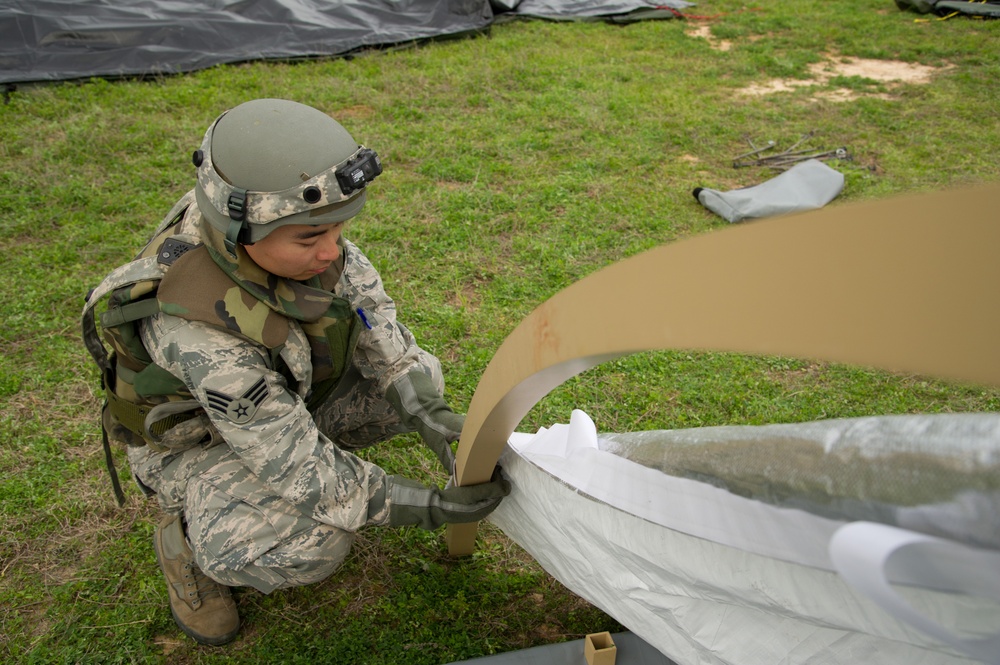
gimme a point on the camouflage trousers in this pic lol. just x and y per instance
(241, 533)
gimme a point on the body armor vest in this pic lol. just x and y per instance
(183, 272)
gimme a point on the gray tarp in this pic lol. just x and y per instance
(65, 39)
(51, 40)
(593, 9)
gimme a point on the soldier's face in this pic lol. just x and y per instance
(297, 251)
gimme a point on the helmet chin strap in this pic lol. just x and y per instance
(232, 235)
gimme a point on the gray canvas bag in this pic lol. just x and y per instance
(808, 185)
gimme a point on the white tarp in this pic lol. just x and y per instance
(871, 540)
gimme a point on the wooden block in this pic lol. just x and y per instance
(599, 649)
(461, 539)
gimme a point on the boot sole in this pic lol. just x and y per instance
(201, 639)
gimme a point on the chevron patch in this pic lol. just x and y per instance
(239, 409)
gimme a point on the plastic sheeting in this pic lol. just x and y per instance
(49, 40)
(589, 9)
(66, 39)
(869, 540)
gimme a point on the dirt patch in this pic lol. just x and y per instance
(704, 32)
(770, 87)
(889, 73)
(886, 71)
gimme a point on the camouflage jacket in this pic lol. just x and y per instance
(257, 353)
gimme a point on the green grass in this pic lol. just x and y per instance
(516, 163)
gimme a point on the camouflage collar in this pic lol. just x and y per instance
(288, 297)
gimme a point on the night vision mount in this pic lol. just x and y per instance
(363, 167)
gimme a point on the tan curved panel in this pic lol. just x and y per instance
(907, 284)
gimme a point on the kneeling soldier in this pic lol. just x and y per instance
(253, 349)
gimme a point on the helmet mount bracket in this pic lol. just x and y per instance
(237, 208)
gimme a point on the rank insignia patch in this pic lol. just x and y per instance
(239, 409)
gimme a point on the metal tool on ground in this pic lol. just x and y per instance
(787, 158)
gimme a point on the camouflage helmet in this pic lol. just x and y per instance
(271, 162)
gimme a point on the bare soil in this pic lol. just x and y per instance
(890, 73)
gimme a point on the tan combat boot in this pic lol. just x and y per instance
(203, 608)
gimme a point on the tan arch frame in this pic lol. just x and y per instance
(905, 284)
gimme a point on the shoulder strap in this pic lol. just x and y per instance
(144, 267)
(130, 273)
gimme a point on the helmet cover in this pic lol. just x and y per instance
(271, 162)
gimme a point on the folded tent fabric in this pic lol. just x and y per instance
(52, 40)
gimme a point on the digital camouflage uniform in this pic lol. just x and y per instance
(269, 491)
(241, 388)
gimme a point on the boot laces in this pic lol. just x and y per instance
(200, 586)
